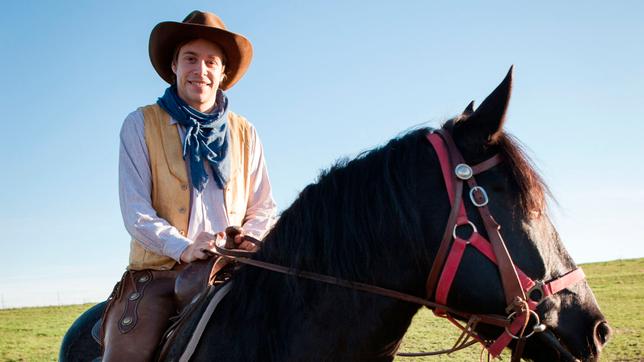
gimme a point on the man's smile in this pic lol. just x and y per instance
(199, 83)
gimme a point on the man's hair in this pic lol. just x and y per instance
(175, 56)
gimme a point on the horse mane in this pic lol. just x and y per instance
(352, 223)
(347, 220)
(357, 222)
(343, 222)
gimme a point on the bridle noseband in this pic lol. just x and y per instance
(516, 284)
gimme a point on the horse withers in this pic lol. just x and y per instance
(379, 220)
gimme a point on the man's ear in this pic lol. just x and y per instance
(174, 67)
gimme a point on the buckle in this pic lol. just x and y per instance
(479, 192)
(536, 293)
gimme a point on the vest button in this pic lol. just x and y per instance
(182, 232)
(184, 187)
(182, 210)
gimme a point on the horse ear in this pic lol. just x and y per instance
(469, 109)
(486, 123)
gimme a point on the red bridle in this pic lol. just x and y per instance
(516, 284)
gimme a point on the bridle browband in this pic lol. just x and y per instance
(516, 284)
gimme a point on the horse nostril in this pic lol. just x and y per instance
(602, 332)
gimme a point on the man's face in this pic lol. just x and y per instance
(199, 68)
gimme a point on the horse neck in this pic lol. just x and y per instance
(362, 223)
(321, 323)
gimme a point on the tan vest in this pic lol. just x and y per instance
(170, 184)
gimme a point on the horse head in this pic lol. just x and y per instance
(575, 327)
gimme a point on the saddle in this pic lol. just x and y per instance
(190, 285)
(194, 283)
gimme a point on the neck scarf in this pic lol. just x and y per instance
(206, 137)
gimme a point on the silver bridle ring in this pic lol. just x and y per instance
(468, 222)
(538, 327)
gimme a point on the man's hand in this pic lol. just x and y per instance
(201, 248)
(240, 243)
(239, 240)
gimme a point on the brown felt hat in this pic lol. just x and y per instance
(199, 25)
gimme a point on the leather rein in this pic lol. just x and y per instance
(520, 310)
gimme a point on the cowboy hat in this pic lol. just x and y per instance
(199, 25)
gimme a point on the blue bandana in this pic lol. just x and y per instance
(206, 137)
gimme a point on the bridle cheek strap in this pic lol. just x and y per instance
(449, 271)
(445, 145)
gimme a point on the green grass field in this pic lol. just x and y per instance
(34, 334)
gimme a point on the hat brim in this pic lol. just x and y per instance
(167, 35)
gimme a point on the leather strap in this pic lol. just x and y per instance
(563, 282)
(493, 319)
(205, 318)
(509, 277)
(487, 164)
(518, 350)
(450, 269)
(455, 196)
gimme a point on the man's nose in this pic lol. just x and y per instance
(201, 67)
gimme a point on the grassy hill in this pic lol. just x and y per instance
(34, 334)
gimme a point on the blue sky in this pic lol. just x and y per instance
(329, 79)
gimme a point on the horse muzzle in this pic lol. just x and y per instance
(601, 333)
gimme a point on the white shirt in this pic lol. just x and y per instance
(207, 214)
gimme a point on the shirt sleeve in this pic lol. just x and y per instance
(261, 209)
(135, 185)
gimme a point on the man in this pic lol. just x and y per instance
(188, 168)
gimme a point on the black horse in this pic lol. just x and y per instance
(378, 219)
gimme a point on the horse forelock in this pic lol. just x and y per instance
(533, 191)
